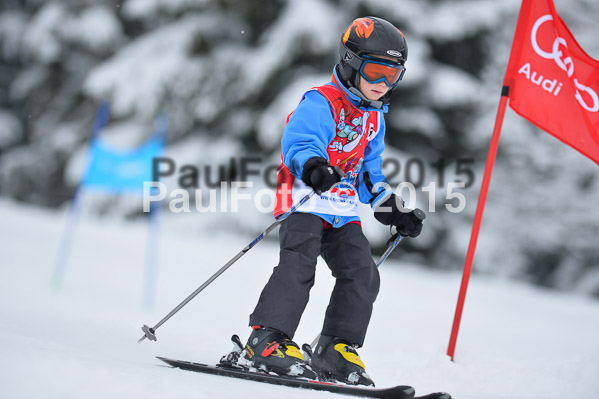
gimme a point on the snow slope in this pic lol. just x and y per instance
(80, 342)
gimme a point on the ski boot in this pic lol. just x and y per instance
(269, 350)
(335, 359)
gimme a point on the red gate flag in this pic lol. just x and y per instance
(552, 82)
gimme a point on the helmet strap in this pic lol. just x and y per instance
(366, 102)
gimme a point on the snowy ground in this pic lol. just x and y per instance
(80, 342)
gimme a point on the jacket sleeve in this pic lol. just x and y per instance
(309, 131)
(373, 187)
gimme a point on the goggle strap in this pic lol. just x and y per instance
(352, 59)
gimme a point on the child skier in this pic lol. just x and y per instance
(336, 127)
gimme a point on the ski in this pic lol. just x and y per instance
(396, 392)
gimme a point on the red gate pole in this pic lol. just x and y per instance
(482, 198)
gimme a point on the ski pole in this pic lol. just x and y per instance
(391, 244)
(150, 332)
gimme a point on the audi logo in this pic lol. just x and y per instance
(566, 63)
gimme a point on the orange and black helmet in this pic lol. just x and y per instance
(373, 36)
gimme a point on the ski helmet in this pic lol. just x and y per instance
(369, 35)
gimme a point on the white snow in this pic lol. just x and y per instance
(310, 23)
(272, 121)
(41, 38)
(449, 86)
(12, 26)
(10, 129)
(152, 8)
(135, 76)
(516, 341)
(96, 28)
(27, 81)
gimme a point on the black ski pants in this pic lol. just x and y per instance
(347, 253)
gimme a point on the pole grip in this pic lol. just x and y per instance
(419, 213)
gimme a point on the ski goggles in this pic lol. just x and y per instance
(376, 70)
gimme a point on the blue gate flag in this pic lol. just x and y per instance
(117, 170)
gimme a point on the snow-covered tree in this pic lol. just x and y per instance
(228, 73)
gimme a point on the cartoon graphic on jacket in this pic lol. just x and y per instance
(353, 130)
(330, 123)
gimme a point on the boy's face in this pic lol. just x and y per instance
(374, 91)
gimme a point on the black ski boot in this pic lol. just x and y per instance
(268, 349)
(335, 359)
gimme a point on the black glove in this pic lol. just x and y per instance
(319, 175)
(407, 221)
